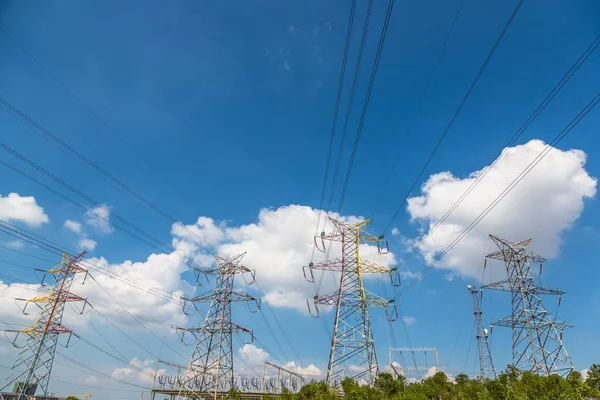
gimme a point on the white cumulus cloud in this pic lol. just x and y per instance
(87, 244)
(141, 371)
(309, 372)
(11, 310)
(409, 320)
(544, 204)
(277, 246)
(22, 208)
(99, 218)
(73, 226)
(253, 355)
(150, 288)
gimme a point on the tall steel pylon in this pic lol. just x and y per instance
(486, 364)
(537, 344)
(352, 352)
(210, 370)
(31, 371)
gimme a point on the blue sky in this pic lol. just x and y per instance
(221, 110)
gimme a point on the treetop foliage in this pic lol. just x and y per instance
(510, 385)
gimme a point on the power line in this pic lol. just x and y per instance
(456, 112)
(93, 370)
(101, 171)
(573, 123)
(84, 105)
(363, 42)
(107, 210)
(331, 141)
(357, 68)
(58, 249)
(91, 386)
(335, 115)
(137, 320)
(532, 117)
(366, 101)
(417, 112)
(106, 174)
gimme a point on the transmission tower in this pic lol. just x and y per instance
(31, 371)
(352, 351)
(536, 335)
(486, 364)
(211, 366)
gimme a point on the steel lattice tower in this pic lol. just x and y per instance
(31, 371)
(352, 351)
(211, 366)
(536, 334)
(486, 364)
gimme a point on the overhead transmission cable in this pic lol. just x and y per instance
(363, 114)
(18, 113)
(456, 112)
(58, 250)
(417, 113)
(572, 124)
(110, 177)
(511, 142)
(161, 245)
(363, 41)
(391, 171)
(365, 107)
(331, 142)
(86, 106)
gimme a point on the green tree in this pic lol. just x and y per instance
(388, 385)
(72, 398)
(593, 379)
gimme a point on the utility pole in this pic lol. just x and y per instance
(486, 364)
(537, 344)
(31, 371)
(211, 366)
(352, 352)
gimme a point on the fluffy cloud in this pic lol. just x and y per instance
(87, 244)
(16, 244)
(253, 355)
(542, 206)
(409, 320)
(584, 373)
(277, 247)
(309, 372)
(138, 371)
(99, 219)
(24, 209)
(151, 288)
(73, 226)
(12, 312)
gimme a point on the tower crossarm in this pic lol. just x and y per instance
(366, 267)
(527, 255)
(233, 295)
(370, 300)
(505, 286)
(52, 328)
(541, 321)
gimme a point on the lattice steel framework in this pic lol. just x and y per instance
(537, 344)
(211, 367)
(486, 364)
(352, 352)
(31, 371)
